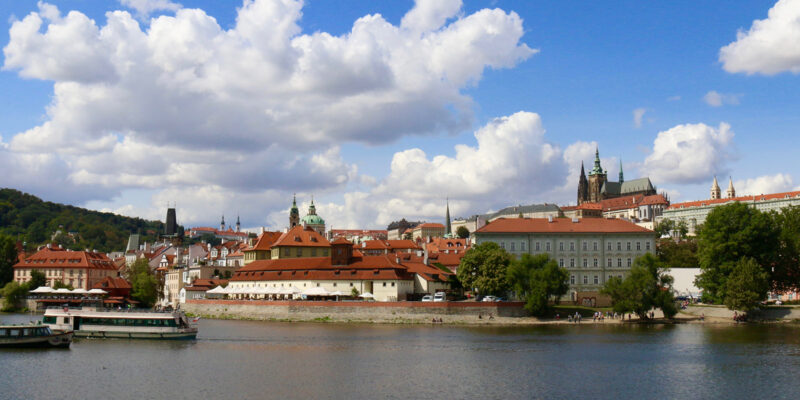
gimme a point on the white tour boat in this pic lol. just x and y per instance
(33, 336)
(94, 322)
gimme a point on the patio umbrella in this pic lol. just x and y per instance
(63, 291)
(80, 291)
(366, 295)
(43, 289)
(217, 290)
(316, 291)
(97, 291)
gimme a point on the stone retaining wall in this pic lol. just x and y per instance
(349, 311)
(790, 313)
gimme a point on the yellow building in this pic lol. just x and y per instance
(262, 249)
(300, 242)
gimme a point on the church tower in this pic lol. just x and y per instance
(583, 187)
(621, 178)
(731, 192)
(596, 179)
(222, 224)
(294, 214)
(716, 192)
(238, 224)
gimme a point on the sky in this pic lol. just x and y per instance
(381, 110)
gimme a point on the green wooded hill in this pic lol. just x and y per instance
(30, 219)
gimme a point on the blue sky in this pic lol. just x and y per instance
(596, 63)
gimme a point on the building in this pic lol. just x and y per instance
(262, 248)
(694, 213)
(397, 229)
(79, 269)
(423, 232)
(378, 247)
(591, 249)
(387, 277)
(358, 235)
(300, 242)
(476, 222)
(227, 234)
(312, 220)
(597, 187)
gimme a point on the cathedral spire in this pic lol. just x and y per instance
(448, 229)
(621, 178)
(731, 192)
(294, 213)
(716, 192)
(597, 168)
(238, 224)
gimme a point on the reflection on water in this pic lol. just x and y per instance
(243, 359)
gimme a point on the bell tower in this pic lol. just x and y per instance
(294, 214)
(716, 193)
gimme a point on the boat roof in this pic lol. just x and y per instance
(73, 312)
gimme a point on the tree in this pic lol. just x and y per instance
(668, 227)
(61, 285)
(645, 288)
(677, 254)
(462, 232)
(354, 292)
(12, 292)
(145, 286)
(537, 280)
(786, 270)
(37, 279)
(484, 267)
(407, 236)
(8, 257)
(731, 232)
(746, 286)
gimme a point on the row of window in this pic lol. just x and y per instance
(595, 262)
(287, 252)
(118, 321)
(571, 245)
(595, 281)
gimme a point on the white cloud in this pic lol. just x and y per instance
(193, 106)
(674, 98)
(770, 46)
(715, 99)
(144, 8)
(765, 184)
(690, 153)
(637, 117)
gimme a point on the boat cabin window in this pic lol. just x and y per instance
(66, 320)
(49, 320)
(14, 332)
(3, 332)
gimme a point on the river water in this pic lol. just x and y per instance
(266, 360)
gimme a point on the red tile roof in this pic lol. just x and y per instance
(112, 283)
(561, 225)
(429, 225)
(627, 202)
(301, 237)
(60, 258)
(761, 197)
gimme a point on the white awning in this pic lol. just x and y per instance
(43, 289)
(316, 291)
(366, 295)
(97, 291)
(217, 290)
(63, 290)
(80, 291)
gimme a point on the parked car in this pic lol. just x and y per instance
(499, 299)
(440, 296)
(489, 299)
(427, 297)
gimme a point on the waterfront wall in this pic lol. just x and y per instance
(351, 311)
(787, 313)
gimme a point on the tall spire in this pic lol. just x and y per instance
(731, 192)
(294, 213)
(621, 179)
(222, 224)
(448, 229)
(312, 209)
(597, 168)
(716, 192)
(238, 224)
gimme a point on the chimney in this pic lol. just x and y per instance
(575, 220)
(425, 258)
(549, 218)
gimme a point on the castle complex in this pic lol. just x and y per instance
(597, 187)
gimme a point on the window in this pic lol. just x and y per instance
(560, 262)
(638, 246)
(609, 263)
(594, 246)
(585, 279)
(628, 247)
(351, 284)
(647, 246)
(572, 263)
(619, 262)
(334, 284)
(384, 284)
(571, 246)
(609, 246)
(392, 284)
(572, 279)
(299, 251)
(314, 251)
(619, 246)
(585, 262)
(513, 247)
(522, 246)
(585, 246)
(286, 251)
(547, 246)
(560, 246)
(629, 262)
(503, 245)
(325, 252)
(595, 263)
(537, 246)
(596, 279)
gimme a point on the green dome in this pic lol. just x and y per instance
(313, 220)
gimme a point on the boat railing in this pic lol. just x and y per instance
(116, 310)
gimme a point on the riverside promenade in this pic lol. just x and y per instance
(358, 311)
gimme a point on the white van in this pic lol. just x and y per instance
(440, 296)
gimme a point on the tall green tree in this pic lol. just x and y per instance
(37, 279)
(729, 233)
(8, 257)
(648, 286)
(747, 285)
(678, 254)
(12, 293)
(462, 232)
(537, 280)
(146, 287)
(786, 269)
(484, 267)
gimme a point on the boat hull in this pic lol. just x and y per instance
(135, 335)
(56, 340)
